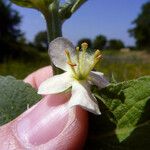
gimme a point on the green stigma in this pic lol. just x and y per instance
(83, 63)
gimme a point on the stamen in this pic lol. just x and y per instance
(78, 60)
(97, 53)
(97, 57)
(82, 71)
(70, 63)
(77, 50)
(67, 54)
(84, 46)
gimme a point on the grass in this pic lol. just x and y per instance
(123, 66)
(21, 68)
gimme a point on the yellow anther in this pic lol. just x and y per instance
(77, 48)
(84, 46)
(71, 64)
(99, 56)
(97, 53)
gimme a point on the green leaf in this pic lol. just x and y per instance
(125, 120)
(15, 96)
(23, 3)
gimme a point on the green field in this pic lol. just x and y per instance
(123, 65)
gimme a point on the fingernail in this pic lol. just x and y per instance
(44, 122)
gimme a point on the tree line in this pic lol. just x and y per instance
(101, 42)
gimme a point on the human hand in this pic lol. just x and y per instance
(48, 125)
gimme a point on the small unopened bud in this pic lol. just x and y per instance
(84, 45)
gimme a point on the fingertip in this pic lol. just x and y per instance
(37, 77)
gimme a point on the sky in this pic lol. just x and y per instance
(111, 18)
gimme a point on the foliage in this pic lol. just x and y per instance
(141, 31)
(115, 44)
(40, 41)
(10, 21)
(87, 40)
(125, 120)
(9, 30)
(124, 66)
(15, 96)
(100, 42)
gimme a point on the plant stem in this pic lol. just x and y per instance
(54, 26)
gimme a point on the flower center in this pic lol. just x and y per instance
(82, 63)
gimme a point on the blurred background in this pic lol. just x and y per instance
(121, 29)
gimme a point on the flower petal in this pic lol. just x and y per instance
(98, 79)
(55, 84)
(57, 52)
(82, 96)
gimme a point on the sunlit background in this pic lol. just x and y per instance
(111, 18)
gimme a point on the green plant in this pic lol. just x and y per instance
(55, 14)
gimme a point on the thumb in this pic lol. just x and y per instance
(48, 125)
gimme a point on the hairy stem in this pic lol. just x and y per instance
(54, 26)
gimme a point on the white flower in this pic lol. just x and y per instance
(78, 76)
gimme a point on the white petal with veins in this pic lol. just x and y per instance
(55, 84)
(82, 96)
(98, 79)
(57, 52)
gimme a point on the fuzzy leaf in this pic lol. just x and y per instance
(15, 96)
(125, 120)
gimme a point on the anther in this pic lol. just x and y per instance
(97, 53)
(84, 46)
(71, 64)
(99, 56)
(77, 48)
